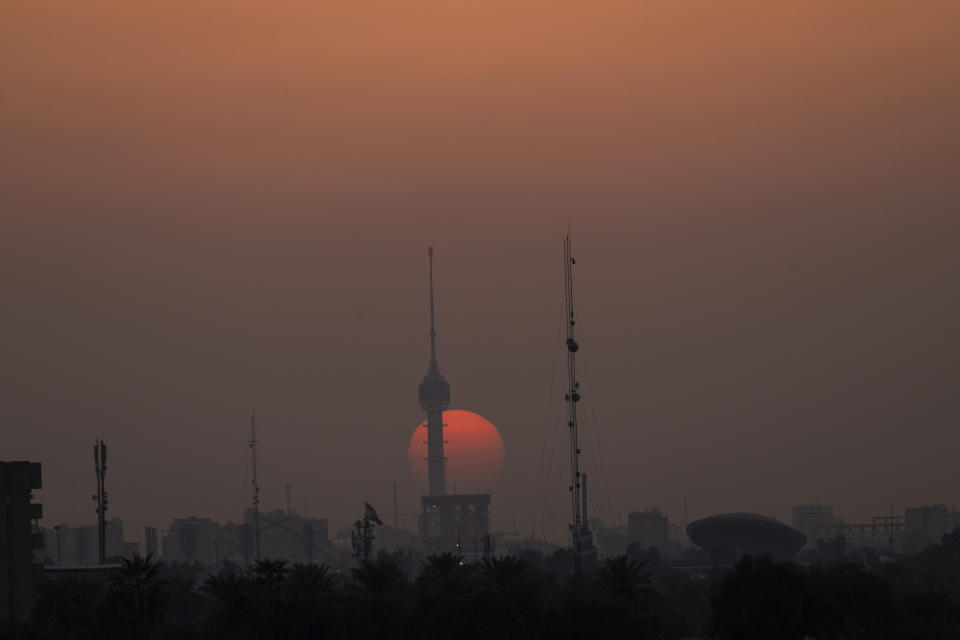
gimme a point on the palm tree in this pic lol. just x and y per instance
(628, 580)
(511, 591)
(504, 570)
(139, 578)
(437, 569)
(230, 605)
(182, 600)
(376, 600)
(270, 574)
(310, 579)
(379, 576)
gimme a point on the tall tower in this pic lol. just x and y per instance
(434, 398)
(572, 397)
(459, 523)
(256, 487)
(100, 466)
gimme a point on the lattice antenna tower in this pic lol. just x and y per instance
(573, 398)
(100, 466)
(256, 487)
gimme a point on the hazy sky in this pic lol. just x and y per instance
(210, 207)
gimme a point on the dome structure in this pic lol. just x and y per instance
(746, 534)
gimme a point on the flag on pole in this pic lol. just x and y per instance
(369, 513)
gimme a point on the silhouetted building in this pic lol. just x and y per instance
(883, 532)
(285, 535)
(458, 524)
(732, 535)
(815, 521)
(19, 538)
(150, 540)
(91, 573)
(610, 541)
(925, 525)
(649, 528)
(207, 542)
(72, 546)
(389, 538)
(190, 540)
(75, 546)
(676, 536)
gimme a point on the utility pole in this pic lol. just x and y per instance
(256, 487)
(100, 465)
(572, 397)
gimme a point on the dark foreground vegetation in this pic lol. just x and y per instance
(633, 596)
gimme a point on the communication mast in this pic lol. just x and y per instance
(573, 397)
(100, 466)
(256, 487)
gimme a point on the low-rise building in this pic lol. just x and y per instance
(815, 521)
(925, 525)
(648, 528)
(77, 545)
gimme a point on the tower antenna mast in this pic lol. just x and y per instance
(256, 487)
(434, 367)
(572, 397)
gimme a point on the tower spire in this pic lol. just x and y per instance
(434, 369)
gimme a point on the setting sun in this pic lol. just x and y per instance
(474, 451)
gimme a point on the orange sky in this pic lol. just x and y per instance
(210, 206)
(332, 94)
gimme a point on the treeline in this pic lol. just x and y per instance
(864, 596)
(631, 596)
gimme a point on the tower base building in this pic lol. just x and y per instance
(457, 524)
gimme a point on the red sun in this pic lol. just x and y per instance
(474, 451)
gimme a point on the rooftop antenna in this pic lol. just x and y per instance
(289, 489)
(100, 466)
(572, 397)
(256, 487)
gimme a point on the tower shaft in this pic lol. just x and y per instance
(436, 462)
